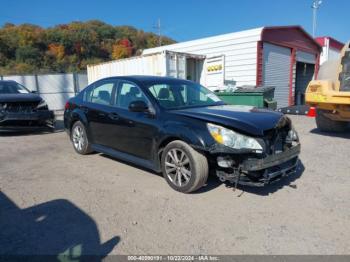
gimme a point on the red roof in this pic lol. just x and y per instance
(332, 42)
(294, 37)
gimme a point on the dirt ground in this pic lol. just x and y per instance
(55, 201)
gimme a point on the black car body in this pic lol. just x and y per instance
(241, 144)
(21, 109)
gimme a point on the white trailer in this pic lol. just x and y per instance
(164, 63)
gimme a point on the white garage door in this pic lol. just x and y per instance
(276, 71)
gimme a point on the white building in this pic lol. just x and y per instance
(285, 57)
(331, 48)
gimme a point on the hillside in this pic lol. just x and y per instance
(70, 47)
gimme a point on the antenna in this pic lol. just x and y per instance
(315, 6)
(158, 27)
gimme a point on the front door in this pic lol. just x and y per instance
(135, 132)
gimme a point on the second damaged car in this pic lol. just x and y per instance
(183, 130)
(21, 109)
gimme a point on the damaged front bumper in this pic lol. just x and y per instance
(260, 171)
(26, 121)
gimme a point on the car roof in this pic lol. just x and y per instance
(8, 81)
(147, 79)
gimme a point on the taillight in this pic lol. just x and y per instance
(66, 106)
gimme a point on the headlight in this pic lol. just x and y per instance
(233, 139)
(42, 104)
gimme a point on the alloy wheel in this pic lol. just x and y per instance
(177, 167)
(78, 138)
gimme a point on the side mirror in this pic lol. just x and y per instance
(138, 106)
(34, 92)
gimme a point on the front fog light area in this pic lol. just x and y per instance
(292, 136)
(225, 161)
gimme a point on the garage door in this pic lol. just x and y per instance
(276, 71)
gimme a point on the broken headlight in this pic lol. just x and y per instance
(292, 135)
(233, 139)
(42, 105)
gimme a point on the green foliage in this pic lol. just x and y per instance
(70, 47)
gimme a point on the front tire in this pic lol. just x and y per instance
(185, 169)
(327, 125)
(79, 139)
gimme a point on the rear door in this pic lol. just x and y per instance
(99, 111)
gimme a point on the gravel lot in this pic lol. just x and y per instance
(53, 200)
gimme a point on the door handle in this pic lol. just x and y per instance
(113, 116)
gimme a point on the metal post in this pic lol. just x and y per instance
(315, 6)
(75, 84)
(37, 84)
(314, 17)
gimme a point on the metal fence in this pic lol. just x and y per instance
(56, 89)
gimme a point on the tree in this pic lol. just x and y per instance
(69, 47)
(123, 49)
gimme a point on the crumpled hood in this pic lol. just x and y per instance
(248, 119)
(20, 98)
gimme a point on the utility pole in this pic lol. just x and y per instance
(158, 27)
(315, 6)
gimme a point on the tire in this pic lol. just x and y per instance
(327, 125)
(80, 142)
(192, 161)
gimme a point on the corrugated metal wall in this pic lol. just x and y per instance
(276, 71)
(56, 89)
(238, 48)
(141, 65)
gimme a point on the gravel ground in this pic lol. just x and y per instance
(53, 200)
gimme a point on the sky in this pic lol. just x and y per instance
(185, 19)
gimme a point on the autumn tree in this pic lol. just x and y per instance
(122, 49)
(69, 47)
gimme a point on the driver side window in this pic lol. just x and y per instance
(129, 92)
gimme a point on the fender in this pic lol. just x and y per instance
(78, 115)
(191, 135)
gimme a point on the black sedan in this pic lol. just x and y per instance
(183, 130)
(21, 109)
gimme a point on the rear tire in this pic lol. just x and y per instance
(327, 125)
(79, 139)
(185, 169)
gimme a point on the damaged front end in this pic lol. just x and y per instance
(25, 116)
(277, 159)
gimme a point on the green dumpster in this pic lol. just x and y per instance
(254, 96)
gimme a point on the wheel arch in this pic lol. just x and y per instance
(78, 116)
(191, 138)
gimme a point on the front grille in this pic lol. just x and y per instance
(21, 123)
(18, 107)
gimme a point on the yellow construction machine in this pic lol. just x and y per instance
(330, 94)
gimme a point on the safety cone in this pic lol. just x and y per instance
(312, 112)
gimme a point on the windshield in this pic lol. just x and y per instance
(179, 95)
(12, 88)
(345, 74)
